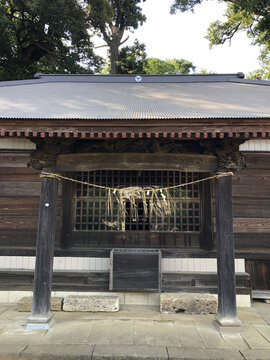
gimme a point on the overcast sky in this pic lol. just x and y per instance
(182, 36)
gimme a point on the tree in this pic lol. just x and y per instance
(44, 36)
(251, 16)
(132, 59)
(264, 72)
(110, 19)
(168, 66)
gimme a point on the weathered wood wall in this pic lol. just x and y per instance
(99, 281)
(20, 192)
(19, 201)
(251, 204)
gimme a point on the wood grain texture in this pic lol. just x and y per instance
(225, 249)
(139, 239)
(67, 212)
(45, 246)
(259, 273)
(99, 281)
(206, 236)
(133, 161)
(135, 270)
(14, 159)
(19, 204)
(19, 174)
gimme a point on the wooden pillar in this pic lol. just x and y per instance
(41, 317)
(227, 315)
(206, 237)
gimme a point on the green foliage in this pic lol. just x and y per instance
(237, 20)
(110, 19)
(264, 72)
(44, 36)
(205, 72)
(132, 59)
(251, 16)
(168, 66)
(184, 5)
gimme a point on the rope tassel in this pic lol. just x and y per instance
(156, 201)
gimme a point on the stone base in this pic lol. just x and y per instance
(92, 303)
(228, 324)
(25, 304)
(188, 303)
(40, 321)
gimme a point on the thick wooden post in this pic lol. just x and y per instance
(41, 317)
(206, 237)
(227, 315)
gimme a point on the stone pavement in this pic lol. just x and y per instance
(135, 332)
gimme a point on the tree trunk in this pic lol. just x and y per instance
(114, 58)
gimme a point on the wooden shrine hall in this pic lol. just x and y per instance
(138, 169)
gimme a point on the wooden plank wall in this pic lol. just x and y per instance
(251, 204)
(20, 191)
(19, 200)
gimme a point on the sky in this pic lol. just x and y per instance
(182, 36)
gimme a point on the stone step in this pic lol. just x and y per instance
(189, 303)
(91, 303)
(25, 304)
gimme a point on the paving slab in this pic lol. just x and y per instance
(254, 338)
(235, 341)
(188, 334)
(11, 352)
(250, 317)
(122, 332)
(18, 335)
(263, 310)
(202, 354)
(264, 330)
(130, 352)
(75, 332)
(210, 335)
(144, 333)
(57, 352)
(100, 332)
(256, 354)
(4, 307)
(166, 334)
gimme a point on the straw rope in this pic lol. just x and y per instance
(160, 201)
(61, 177)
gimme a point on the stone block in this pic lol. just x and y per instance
(256, 354)
(25, 304)
(129, 352)
(189, 303)
(57, 352)
(90, 303)
(11, 351)
(179, 353)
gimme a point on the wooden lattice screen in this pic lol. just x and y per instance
(92, 211)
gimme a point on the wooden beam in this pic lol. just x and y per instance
(200, 282)
(41, 317)
(227, 315)
(136, 161)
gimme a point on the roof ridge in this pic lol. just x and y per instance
(132, 78)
